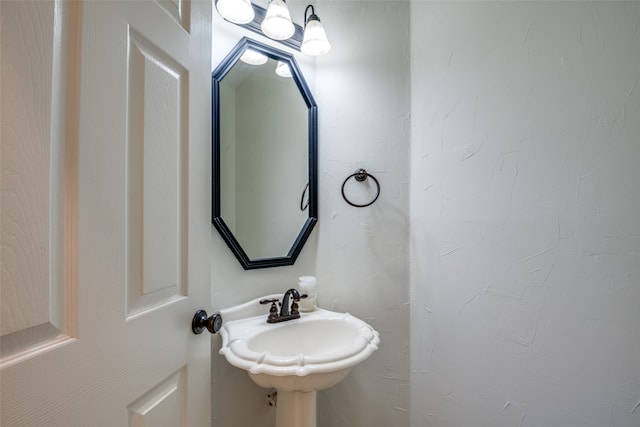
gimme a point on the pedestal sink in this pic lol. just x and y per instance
(296, 357)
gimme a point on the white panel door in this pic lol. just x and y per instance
(105, 208)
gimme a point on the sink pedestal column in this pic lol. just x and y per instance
(296, 409)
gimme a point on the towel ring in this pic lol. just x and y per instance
(361, 175)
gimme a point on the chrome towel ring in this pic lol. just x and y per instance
(361, 175)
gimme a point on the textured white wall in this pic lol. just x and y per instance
(525, 214)
(362, 87)
(360, 256)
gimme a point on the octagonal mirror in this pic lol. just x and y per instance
(264, 155)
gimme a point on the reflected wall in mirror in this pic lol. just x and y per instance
(264, 155)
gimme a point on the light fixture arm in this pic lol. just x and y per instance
(314, 41)
(313, 15)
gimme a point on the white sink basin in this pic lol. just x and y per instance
(307, 354)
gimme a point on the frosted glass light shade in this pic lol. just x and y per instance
(236, 11)
(253, 58)
(283, 69)
(277, 21)
(314, 41)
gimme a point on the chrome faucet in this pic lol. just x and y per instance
(288, 308)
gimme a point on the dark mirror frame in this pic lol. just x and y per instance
(216, 77)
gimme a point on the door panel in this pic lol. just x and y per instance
(161, 406)
(157, 99)
(38, 177)
(105, 207)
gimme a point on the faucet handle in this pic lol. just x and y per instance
(295, 311)
(273, 310)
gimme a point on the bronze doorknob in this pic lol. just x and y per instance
(202, 321)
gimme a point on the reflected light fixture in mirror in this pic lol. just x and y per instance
(283, 69)
(252, 57)
(314, 41)
(277, 23)
(236, 11)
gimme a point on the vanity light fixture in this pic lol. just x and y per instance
(252, 57)
(277, 22)
(314, 41)
(236, 11)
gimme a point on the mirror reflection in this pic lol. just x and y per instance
(264, 146)
(263, 163)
